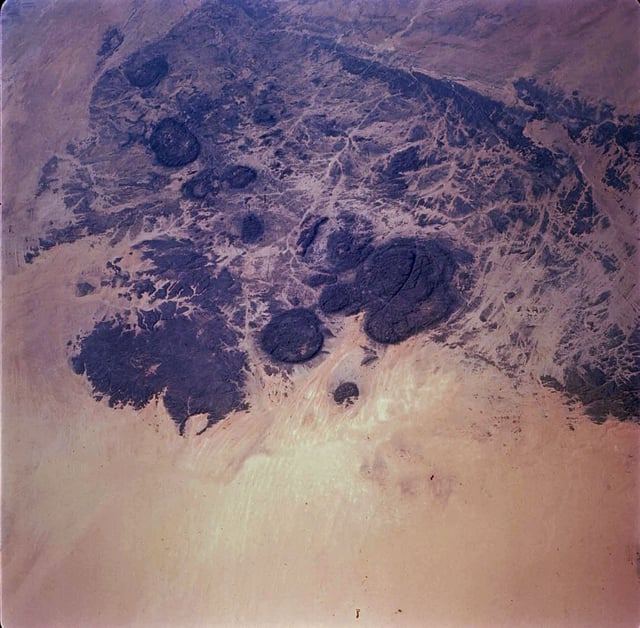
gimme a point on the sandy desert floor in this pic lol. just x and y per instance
(448, 498)
(445, 496)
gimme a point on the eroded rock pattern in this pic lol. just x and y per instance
(272, 182)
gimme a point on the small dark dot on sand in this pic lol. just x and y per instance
(346, 393)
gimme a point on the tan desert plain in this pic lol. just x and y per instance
(448, 494)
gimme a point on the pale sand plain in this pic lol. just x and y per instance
(446, 496)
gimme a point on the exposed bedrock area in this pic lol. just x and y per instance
(208, 182)
(346, 393)
(292, 156)
(404, 287)
(292, 336)
(205, 183)
(252, 229)
(346, 251)
(182, 349)
(194, 366)
(146, 73)
(173, 144)
(239, 176)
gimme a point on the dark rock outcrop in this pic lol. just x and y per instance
(404, 287)
(84, 288)
(346, 393)
(292, 336)
(146, 73)
(238, 176)
(190, 364)
(173, 144)
(252, 229)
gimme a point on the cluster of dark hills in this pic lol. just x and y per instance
(241, 111)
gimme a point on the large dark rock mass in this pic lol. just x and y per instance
(173, 144)
(292, 336)
(404, 287)
(190, 365)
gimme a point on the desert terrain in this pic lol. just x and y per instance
(217, 216)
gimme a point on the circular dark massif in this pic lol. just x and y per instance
(173, 143)
(201, 185)
(407, 289)
(403, 286)
(292, 336)
(346, 392)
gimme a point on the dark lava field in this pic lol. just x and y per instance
(274, 181)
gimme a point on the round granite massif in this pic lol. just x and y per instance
(173, 143)
(346, 393)
(293, 336)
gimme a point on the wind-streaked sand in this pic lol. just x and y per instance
(443, 492)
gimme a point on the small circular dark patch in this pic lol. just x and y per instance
(173, 143)
(201, 185)
(239, 177)
(346, 393)
(84, 288)
(293, 336)
(147, 74)
(265, 116)
(252, 229)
